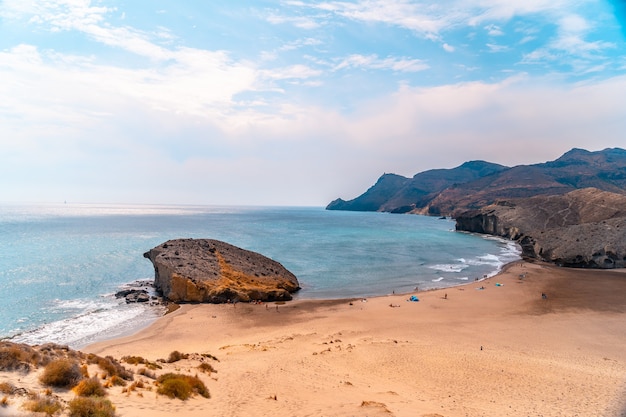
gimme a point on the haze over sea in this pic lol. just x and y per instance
(62, 264)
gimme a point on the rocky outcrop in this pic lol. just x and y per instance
(211, 271)
(583, 228)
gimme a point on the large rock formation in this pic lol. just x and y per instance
(211, 271)
(583, 228)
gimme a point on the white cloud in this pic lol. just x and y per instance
(497, 48)
(494, 30)
(570, 47)
(374, 62)
(448, 48)
(297, 21)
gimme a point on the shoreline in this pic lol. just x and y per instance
(502, 350)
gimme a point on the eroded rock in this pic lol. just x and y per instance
(583, 228)
(212, 271)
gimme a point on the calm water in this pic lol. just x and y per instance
(61, 264)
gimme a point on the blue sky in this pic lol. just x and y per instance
(295, 102)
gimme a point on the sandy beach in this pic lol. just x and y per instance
(490, 348)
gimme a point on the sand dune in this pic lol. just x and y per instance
(465, 351)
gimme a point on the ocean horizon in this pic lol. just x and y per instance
(63, 263)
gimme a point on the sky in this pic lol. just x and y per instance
(295, 102)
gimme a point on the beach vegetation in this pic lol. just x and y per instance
(90, 387)
(15, 357)
(175, 356)
(91, 407)
(138, 360)
(181, 386)
(47, 405)
(112, 367)
(117, 381)
(61, 373)
(133, 360)
(208, 355)
(206, 367)
(6, 388)
(133, 387)
(147, 373)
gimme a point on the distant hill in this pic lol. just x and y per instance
(476, 184)
(398, 194)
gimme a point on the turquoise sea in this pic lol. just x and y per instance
(60, 265)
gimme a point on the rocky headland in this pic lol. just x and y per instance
(212, 271)
(582, 228)
(569, 211)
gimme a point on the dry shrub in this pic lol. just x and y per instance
(14, 357)
(4, 402)
(90, 388)
(112, 367)
(47, 405)
(138, 360)
(175, 356)
(206, 367)
(146, 373)
(133, 360)
(116, 380)
(61, 373)
(208, 355)
(181, 386)
(91, 407)
(6, 388)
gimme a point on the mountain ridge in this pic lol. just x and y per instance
(475, 184)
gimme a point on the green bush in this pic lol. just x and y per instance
(61, 373)
(91, 407)
(90, 388)
(181, 386)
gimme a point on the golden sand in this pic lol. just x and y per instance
(499, 351)
(503, 350)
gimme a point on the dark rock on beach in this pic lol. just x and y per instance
(212, 271)
(133, 296)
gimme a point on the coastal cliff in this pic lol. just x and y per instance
(569, 211)
(211, 271)
(583, 228)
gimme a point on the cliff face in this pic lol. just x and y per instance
(582, 228)
(211, 271)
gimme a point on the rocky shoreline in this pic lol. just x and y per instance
(584, 228)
